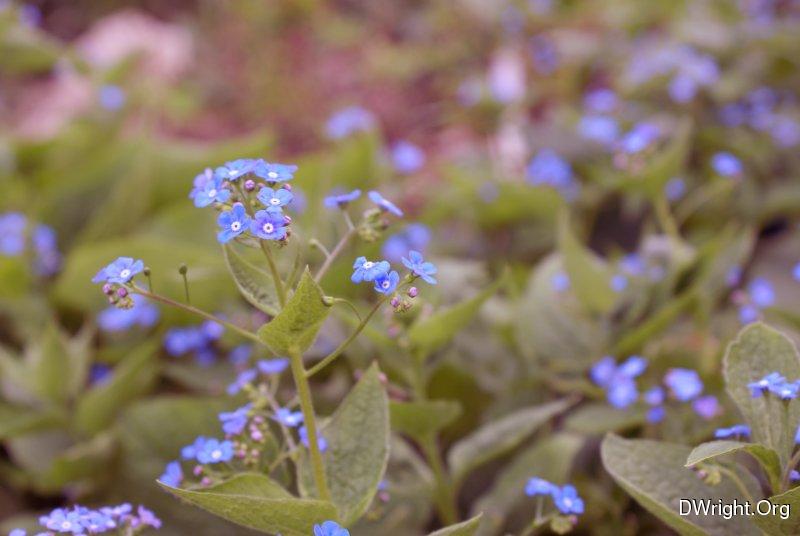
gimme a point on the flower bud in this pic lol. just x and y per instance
(249, 185)
(122, 292)
(412, 292)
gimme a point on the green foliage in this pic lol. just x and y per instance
(767, 457)
(423, 418)
(255, 284)
(465, 528)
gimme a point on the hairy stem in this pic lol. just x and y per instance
(351, 231)
(276, 276)
(444, 493)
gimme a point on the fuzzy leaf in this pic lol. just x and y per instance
(773, 525)
(653, 473)
(255, 284)
(767, 457)
(465, 528)
(420, 419)
(358, 446)
(256, 502)
(297, 325)
(499, 437)
(757, 351)
(599, 418)
(435, 331)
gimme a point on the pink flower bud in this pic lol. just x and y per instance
(249, 185)
(412, 292)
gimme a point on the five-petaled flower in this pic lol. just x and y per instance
(268, 225)
(120, 271)
(767, 383)
(567, 500)
(538, 486)
(273, 200)
(274, 172)
(420, 267)
(330, 528)
(365, 270)
(235, 169)
(233, 422)
(387, 283)
(212, 191)
(233, 222)
(384, 204)
(173, 474)
(215, 451)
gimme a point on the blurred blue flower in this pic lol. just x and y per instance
(112, 97)
(143, 314)
(738, 430)
(674, 188)
(173, 475)
(233, 222)
(761, 292)
(748, 314)
(268, 225)
(244, 378)
(189, 452)
(684, 384)
(796, 272)
(349, 120)
(544, 54)
(321, 442)
(200, 181)
(726, 164)
(639, 138)
(387, 283)
(654, 396)
(272, 366)
(240, 355)
(341, 200)
(235, 169)
(233, 422)
(599, 129)
(785, 390)
(767, 383)
(619, 283)
(289, 418)
(210, 192)
(415, 236)
(618, 381)
(419, 267)
(407, 158)
(271, 172)
(707, 407)
(365, 270)
(384, 204)
(119, 271)
(601, 100)
(12, 233)
(567, 500)
(330, 528)
(656, 414)
(215, 451)
(549, 169)
(538, 486)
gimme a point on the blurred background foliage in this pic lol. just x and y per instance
(633, 244)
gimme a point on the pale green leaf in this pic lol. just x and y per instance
(16, 420)
(599, 418)
(767, 457)
(420, 419)
(788, 504)
(255, 284)
(465, 528)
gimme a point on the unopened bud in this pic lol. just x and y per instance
(412, 292)
(249, 185)
(182, 269)
(122, 292)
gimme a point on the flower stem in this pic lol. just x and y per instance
(351, 231)
(445, 497)
(665, 219)
(194, 310)
(327, 360)
(276, 276)
(307, 406)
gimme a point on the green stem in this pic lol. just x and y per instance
(738, 482)
(276, 276)
(194, 310)
(445, 497)
(330, 257)
(788, 473)
(665, 219)
(307, 406)
(341, 348)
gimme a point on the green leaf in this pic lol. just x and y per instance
(669, 162)
(432, 333)
(17, 421)
(767, 457)
(50, 364)
(134, 376)
(294, 329)
(465, 528)
(358, 446)
(499, 437)
(420, 419)
(599, 418)
(757, 351)
(653, 473)
(257, 502)
(255, 284)
(773, 525)
(589, 276)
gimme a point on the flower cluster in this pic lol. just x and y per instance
(16, 234)
(547, 168)
(80, 520)
(764, 110)
(683, 385)
(386, 280)
(619, 380)
(116, 278)
(566, 499)
(198, 339)
(776, 384)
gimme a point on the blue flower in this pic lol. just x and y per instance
(682, 88)
(560, 282)
(233, 222)
(12, 234)
(761, 292)
(796, 272)
(62, 520)
(618, 381)
(599, 129)
(240, 355)
(567, 500)
(767, 383)
(603, 371)
(321, 442)
(143, 313)
(145, 518)
(288, 417)
(274, 172)
(387, 283)
(112, 97)
(341, 200)
(200, 181)
(738, 430)
(211, 191)
(48, 258)
(601, 100)
(548, 168)
(639, 138)
(235, 169)
(245, 377)
(419, 267)
(233, 422)
(707, 407)
(173, 475)
(189, 452)
(538, 486)
(407, 158)
(654, 396)
(619, 283)
(675, 188)
(120, 271)
(215, 451)
(726, 164)
(384, 204)
(365, 270)
(414, 236)
(268, 225)
(685, 384)
(748, 314)
(330, 528)
(275, 199)
(17, 532)
(785, 390)
(349, 120)
(272, 366)
(656, 414)
(622, 393)
(178, 341)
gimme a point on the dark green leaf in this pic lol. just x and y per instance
(255, 284)
(465, 528)
(420, 419)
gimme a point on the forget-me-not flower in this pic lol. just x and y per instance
(233, 222)
(119, 271)
(365, 270)
(737, 430)
(330, 528)
(212, 191)
(215, 451)
(726, 164)
(684, 384)
(173, 474)
(268, 225)
(567, 500)
(274, 172)
(341, 200)
(273, 200)
(419, 267)
(233, 422)
(387, 283)
(236, 169)
(384, 204)
(289, 418)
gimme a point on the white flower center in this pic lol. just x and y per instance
(272, 175)
(275, 201)
(568, 503)
(124, 274)
(268, 228)
(386, 284)
(66, 525)
(232, 173)
(212, 193)
(368, 265)
(235, 226)
(216, 454)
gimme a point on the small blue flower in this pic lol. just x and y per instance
(748, 314)
(567, 500)
(289, 418)
(384, 204)
(656, 414)
(233, 422)
(707, 407)
(12, 234)
(145, 518)
(767, 383)
(601, 100)
(143, 314)
(173, 475)
(235, 169)
(548, 168)
(244, 378)
(240, 355)
(414, 236)
(62, 520)
(233, 222)
(675, 188)
(685, 384)
(48, 258)
(560, 282)
(387, 283)
(785, 390)
(639, 138)
(682, 88)
(796, 272)
(618, 381)
(599, 129)
(418, 266)
(120, 271)
(794, 475)
(726, 164)
(321, 442)
(632, 367)
(654, 396)
(274, 172)
(95, 522)
(407, 158)
(268, 225)
(179, 341)
(341, 200)
(215, 451)
(17, 532)
(761, 292)
(211, 192)
(189, 452)
(365, 270)
(200, 181)
(538, 486)
(275, 199)
(619, 283)
(330, 528)
(349, 120)
(112, 97)
(622, 393)
(603, 371)
(272, 366)
(738, 430)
